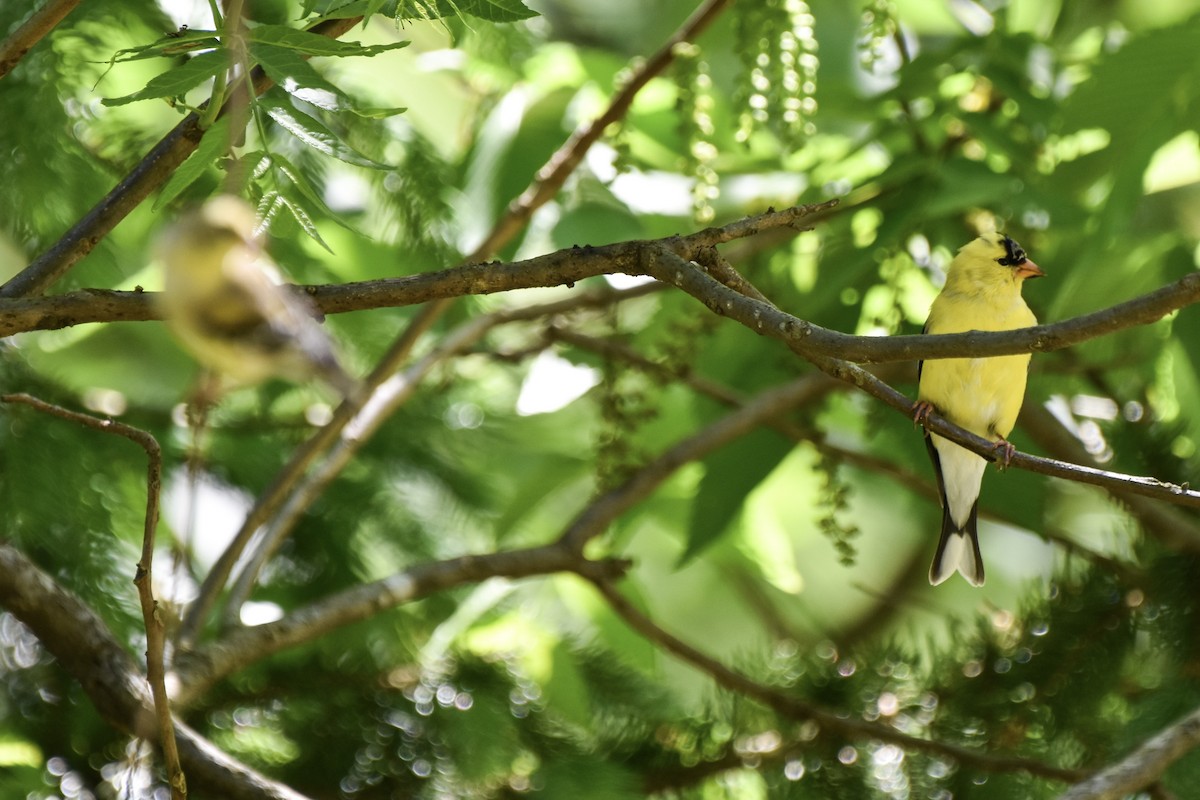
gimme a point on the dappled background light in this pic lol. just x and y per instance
(795, 555)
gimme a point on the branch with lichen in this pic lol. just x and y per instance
(1144, 766)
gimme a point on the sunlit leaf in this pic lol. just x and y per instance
(314, 44)
(314, 134)
(490, 10)
(297, 77)
(495, 11)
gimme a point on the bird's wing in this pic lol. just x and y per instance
(249, 310)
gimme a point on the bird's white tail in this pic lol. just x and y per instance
(958, 551)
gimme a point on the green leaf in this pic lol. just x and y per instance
(729, 475)
(213, 144)
(314, 44)
(1143, 95)
(314, 134)
(301, 80)
(490, 10)
(1153, 75)
(379, 113)
(273, 202)
(341, 9)
(963, 184)
(283, 165)
(298, 78)
(170, 46)
(177, 82)
(1186, 325)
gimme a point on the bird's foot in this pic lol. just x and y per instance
(921, 411)
(1004, 453)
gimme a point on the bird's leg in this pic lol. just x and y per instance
(203, 396)
(1004, 453)
(921, 411)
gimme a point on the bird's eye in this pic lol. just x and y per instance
(1013, 254)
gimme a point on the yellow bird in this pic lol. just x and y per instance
(223, 299)
(982, 395)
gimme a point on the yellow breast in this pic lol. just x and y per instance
(983, 395)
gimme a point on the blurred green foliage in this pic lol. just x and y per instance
(1072, 126)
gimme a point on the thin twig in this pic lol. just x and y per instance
(196, 671)
(386, 399)
(32, 31)
(795, 708)
(553, 174)
(594, 519)
(143, 578)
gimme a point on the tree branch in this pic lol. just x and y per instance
(82, 644)
(198, 670)
(564, 267)
(765, 318)
(32, 31)
(545, 185)
(663, 259)
(594, 519)
(1115, 481)
(812, 340)
(143, 577)
(1143, 766)
(392, 394)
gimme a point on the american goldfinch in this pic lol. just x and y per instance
(982, 395)
(223, 299)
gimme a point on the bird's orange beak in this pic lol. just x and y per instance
(1030, 270)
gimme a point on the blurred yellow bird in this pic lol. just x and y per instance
(223, 299)
(981, 395)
